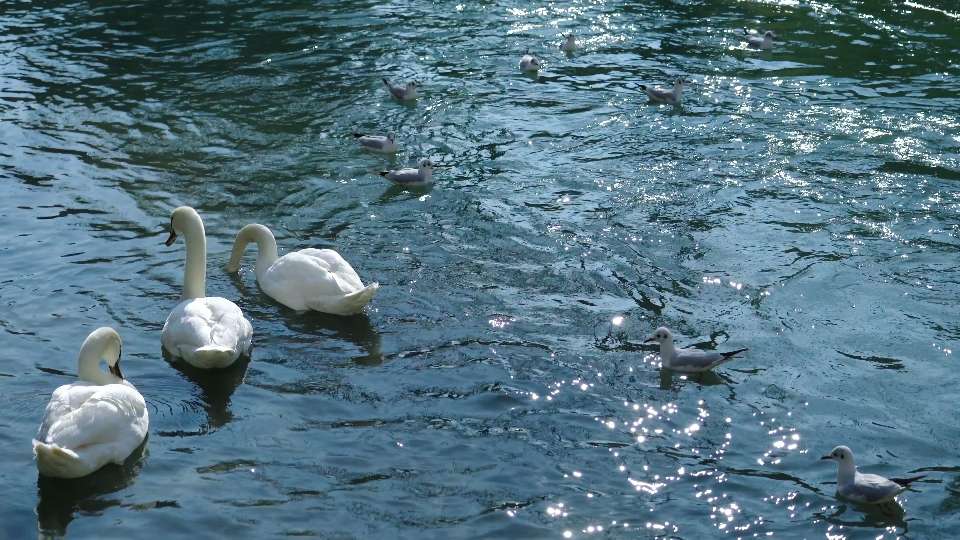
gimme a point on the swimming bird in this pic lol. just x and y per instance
(765, 42)
(687, 360)
(100, 419)
(529, 63)
(662, 95)
(421, 176)
(864, 488)
(205, 331)
(569, 44)
(314, 279)
(378, 143)
(403, 93)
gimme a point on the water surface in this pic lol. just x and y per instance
(803, 203)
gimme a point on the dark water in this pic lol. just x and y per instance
(804, 202)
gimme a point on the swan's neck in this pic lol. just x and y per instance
(266, 247)
(90, 365)
(666, 352)
(846, 472)
(195, 272)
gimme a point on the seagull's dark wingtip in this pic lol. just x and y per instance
(357, 135)
(905, 482)
(383, 173)
(731, 354)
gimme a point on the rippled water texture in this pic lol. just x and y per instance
(803, 202)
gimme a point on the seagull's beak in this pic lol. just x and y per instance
(172, 238)
(650, 339)
(828, 456)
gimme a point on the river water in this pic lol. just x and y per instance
(803, 202)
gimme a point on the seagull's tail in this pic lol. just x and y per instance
(731, 354)
(357, 135)
(386, 82)
(905, 482)
(643, 87)
(383, 173)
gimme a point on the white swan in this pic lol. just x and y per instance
(206, 331)
(317, 279)
(99, 420)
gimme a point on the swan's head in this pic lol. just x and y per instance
(104, 344)
(840, 454)
(661, 336)
(178, 222)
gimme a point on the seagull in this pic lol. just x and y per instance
(421, 176)
(687, 360)
(765, 42)
(529, 63)
(378, 143)
(662, 95)
(403, 93)
(570, 44)
(864, 488)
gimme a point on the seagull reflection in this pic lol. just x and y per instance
(59, 499)
(216, 386)
(875, 516)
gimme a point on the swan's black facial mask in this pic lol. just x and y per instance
(115, 369)
(173, 235)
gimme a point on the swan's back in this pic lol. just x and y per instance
(301, 278)
(86, 426)
(208, 332)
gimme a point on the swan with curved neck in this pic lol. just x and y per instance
(309, 279)
(205, 331)
(100, 419)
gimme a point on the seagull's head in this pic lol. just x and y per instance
(680, 82)
(412, 85)
(661, 335)
(769, 34)
(840, 454)
(426, 165)
(391, 136)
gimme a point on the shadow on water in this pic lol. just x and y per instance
(356, 329)
(59, 499)
(216, 386)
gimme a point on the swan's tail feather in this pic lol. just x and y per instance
(350, 304)
(213, 356)
(53, 460)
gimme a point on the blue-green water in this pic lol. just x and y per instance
(803, 202)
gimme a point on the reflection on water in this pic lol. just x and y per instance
(61, 499)
(216, 386)
(356, 329)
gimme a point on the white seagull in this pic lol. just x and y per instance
(687, 360)
(97, 420)
(864, 488)
(421, 176)
(385, 144)
(569, 44)
(765, 42)
(529, 63)
(662, 95)
(403, 93)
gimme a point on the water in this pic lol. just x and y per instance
(803, 202)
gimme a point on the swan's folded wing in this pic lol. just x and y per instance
(346, 278)
(202, 322)
(110, 413)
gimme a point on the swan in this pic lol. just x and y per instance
(314, 279)
(98, 420)
(206, 331)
